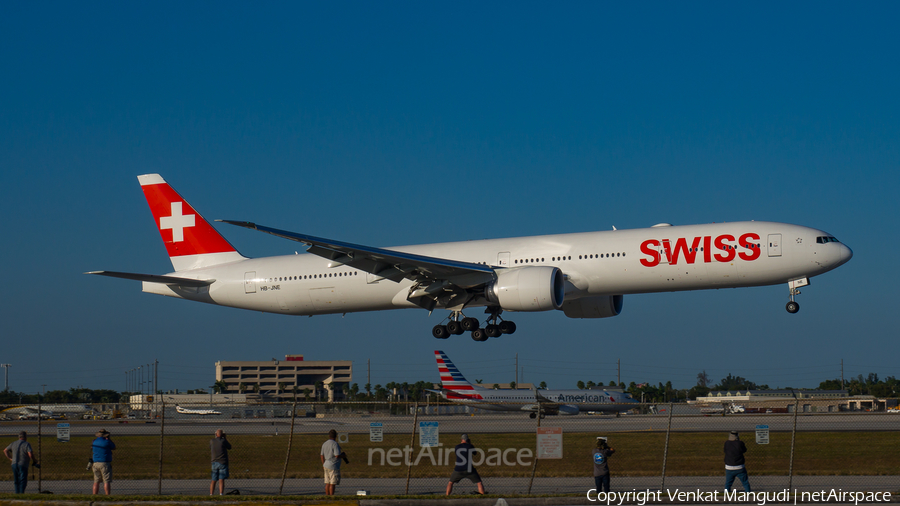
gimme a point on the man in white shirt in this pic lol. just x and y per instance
(331, 456)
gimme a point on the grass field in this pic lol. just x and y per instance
(637, 454)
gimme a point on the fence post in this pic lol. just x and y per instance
(40, 439)
(162, 432)
(536, 450)
(287, 457)
(666, 449)
(793, 436)
(412, 442)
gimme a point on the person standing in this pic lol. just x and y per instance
(601, 456)
(734, 461)
(19, 453)
(331, 456)
(218, 447)
(102, 455)
(464, 467)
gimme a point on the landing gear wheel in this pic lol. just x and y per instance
(455, 328)
(532, 415)
(792, 307)
(440, 332)
(492, 330)
(470, 324)
(479, 335)
(507, 327)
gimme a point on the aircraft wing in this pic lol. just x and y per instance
(153, 278)
(432, 274)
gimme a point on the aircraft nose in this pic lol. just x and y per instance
(846, 254)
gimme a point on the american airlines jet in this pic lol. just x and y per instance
(584, 275)
(549, 402)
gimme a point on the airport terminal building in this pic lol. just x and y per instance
(277, 379)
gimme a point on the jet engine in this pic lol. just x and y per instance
(594, 307)
(539, 288)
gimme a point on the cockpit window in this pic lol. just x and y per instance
(826, 239)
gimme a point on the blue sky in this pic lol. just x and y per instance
(400, 123)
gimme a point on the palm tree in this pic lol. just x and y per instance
(306, 394)
(543, 385)
(241, 387)
(220, 387)
(318, 387)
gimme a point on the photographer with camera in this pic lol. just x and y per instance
(19, 454)
(219, 447)
(102, 448)
(331, 456)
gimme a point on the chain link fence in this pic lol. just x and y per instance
(400, 448)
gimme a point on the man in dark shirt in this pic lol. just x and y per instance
(19, 453)
(601, 455)
(219, 447)
(734, 461)
(464, 467)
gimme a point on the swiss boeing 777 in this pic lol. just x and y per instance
(585, 275)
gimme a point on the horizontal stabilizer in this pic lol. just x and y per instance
(153, 278)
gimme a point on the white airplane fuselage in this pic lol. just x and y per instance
(608, 263)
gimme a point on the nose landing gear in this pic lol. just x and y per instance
(794, 286)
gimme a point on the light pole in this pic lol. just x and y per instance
(6, 383)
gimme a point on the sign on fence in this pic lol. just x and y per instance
(549, 443)
(376, 432)
(428, 434)
(62, 432)
(762, 434)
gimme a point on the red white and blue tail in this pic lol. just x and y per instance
(452, 381)
(190, 240)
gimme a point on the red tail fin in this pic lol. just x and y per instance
(190, 240)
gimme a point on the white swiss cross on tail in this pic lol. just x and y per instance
(177, 222)
(193, 242)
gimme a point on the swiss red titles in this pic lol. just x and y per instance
(701, 248)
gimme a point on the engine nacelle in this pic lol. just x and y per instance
(594, 307)
(539, 288)
(568, 409)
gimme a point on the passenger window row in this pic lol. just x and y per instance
(311, 276)
(562, 258)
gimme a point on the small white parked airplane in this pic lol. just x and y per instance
(585, 275)
(188, 411)
(550, 402)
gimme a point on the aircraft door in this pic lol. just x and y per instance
(503, 259)
(774, 245)
(250, 282)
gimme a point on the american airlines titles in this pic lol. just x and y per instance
(725, 244)
(582, 398)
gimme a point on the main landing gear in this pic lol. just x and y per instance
(794, 286)
(459, 323)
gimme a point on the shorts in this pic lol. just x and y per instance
(102, 472)
(332, 476)
(219, 471)
(459, 475)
